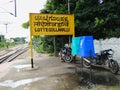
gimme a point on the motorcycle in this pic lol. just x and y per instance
(65, 54)
(104, 58)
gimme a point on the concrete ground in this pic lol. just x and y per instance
(49, 73)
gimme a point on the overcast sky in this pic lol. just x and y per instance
(24, 7)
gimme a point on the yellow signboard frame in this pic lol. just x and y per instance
(50, 24)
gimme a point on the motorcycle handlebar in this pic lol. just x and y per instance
(107, 51)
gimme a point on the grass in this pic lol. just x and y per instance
(105, 88)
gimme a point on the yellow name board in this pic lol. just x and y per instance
(51, 24)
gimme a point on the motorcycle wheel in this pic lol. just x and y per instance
(68, 58)
(114, 67)
(85, 63)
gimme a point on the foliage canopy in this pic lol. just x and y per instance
(102, 20)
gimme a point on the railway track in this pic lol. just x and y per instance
(8, 57)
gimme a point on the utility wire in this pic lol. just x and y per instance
(7, 2)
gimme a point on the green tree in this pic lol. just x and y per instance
(25, 25)
(91, 17)
(99, 20)
(102, 20)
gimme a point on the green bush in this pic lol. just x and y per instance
(38, 49)
(6, 44)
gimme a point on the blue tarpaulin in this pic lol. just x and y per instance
(75, 45)
(83, 46)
